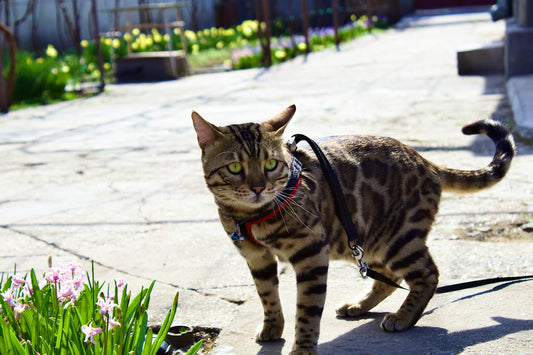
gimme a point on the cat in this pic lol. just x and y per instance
(275, 204)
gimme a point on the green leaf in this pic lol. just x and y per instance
(148, 343)
(167, 322)
(59, 334)
(140, 332)
(195, 348)
(147, 295)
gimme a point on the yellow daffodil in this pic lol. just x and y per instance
(280, 54)
(84, 43)
(51, 51)
(191, 36)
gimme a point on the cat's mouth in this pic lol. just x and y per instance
(258, 199)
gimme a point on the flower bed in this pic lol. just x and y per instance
(69, 312)
(51, 76)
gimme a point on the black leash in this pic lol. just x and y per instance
(477, 283)
(343, 214)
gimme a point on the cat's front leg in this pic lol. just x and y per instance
(311, 266)
(264, 270)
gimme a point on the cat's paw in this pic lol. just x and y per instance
(349, 310)
(394, 323)
(269, 331)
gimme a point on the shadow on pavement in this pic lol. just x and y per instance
(369, 338)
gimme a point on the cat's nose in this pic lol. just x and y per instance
(257, 189)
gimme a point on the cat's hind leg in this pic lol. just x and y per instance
(379, 292)
(422, 276)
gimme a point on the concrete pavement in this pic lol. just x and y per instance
(117, 179)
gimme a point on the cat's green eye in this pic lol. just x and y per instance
(235, 168)
(271, 164)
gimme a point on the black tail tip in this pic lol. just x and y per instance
(491, 128)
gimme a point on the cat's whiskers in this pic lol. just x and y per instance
(291, 203)
(278, 204)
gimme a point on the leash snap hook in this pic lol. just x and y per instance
(292, 144)
(358, 253)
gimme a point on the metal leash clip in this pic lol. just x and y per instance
(292, 144)
(358, 253)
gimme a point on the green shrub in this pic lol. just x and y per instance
(40, 80)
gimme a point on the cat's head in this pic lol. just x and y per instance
(245, 165)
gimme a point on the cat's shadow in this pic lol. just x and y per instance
(369, 338)
(272, 347)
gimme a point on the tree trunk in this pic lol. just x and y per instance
(29, 11)
(98, 47)
(6, 85)
(335, 13)
(266, 19)
(305, 25)
(76, 37)
(34, 37)
(260, 34)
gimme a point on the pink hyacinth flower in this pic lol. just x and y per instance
(72, 269)
(19, 309)
(105, 305)
(53, 275)
(120, 282)
(113, 323)
(17, 281)
(90, 332)
(8, 297)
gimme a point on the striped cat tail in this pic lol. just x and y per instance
(473, 180)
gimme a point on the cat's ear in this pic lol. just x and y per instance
(205, 131)
(280, 121)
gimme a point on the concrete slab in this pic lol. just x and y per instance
(520, 90)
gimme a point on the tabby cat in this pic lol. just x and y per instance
(276, 205)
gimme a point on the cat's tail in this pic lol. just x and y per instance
(473, 180)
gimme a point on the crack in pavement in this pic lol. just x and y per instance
(200, 291)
